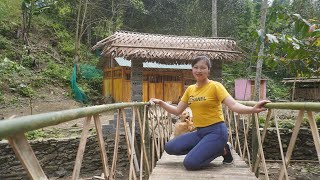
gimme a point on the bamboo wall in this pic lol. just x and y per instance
(119, 87)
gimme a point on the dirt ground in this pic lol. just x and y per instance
(50, 100)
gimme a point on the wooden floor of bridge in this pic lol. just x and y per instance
(170, 167)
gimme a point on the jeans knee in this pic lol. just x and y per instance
(169, 148)
(191, 165)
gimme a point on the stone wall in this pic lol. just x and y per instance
(304, 147)
(57, 156)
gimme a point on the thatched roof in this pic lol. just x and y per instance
(166, 49)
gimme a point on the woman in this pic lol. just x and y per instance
(205, 99)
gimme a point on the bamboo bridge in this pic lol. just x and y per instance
(154, 126)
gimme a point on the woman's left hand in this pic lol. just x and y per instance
(260, 106)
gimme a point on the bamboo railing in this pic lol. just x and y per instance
(249, 121)
(155, 128)
(154, 124)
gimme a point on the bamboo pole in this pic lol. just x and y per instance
(236, 120)
(82, 147)
(315, 133)
(280, 146)
(102, 147)
(116, 147)
(292, 141)
(32, 122)
(260, 148)
(309, 106)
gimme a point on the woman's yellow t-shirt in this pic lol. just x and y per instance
(205, 103)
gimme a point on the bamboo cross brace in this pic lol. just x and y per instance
(229, 129)
(129, 152)
(159, 133)
(116, 147)
(143, 155)
(26, 156)
(292, 141)
(102, 147)
(315, 133)
(260, 148)
(236, 120)
(246, 147)
(133, 154)
(81, 148)
(265, 128)
(280, 146)
(152, 138)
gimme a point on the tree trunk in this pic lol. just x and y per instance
(255, 146)
(214, 19)
(79, 31)
(216, 69)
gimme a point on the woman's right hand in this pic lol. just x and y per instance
(154, 101)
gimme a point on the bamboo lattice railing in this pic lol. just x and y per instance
(154, 124)
(232, 119)
(155, 128)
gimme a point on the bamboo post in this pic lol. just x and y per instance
(26, 156)
(229, 128)
(260, 148)
(81, 149)
(292, 141)
(129, 151)
(143, 155)
(246, 147)
(159, 133)
(147, 136)
(315, 133)
(255, 146)
(265, 128)
(133, 154)
(153, 141)
(280, 146)
(102, 147)
(236, 117)
(116, 147)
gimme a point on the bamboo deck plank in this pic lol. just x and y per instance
(171, 167)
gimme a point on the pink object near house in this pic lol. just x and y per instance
(244, 89)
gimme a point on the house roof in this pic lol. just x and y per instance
(153, 65)
(166, 49)
(301, 80)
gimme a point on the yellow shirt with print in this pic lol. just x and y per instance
(206, 103)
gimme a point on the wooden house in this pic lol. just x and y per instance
(137, 82)
(304, 89)
(244, 89)
(166, 82)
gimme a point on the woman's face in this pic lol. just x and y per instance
(200, 70)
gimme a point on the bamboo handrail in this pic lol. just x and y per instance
(10, 127)
(308, 106)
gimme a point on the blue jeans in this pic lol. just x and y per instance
(200, 147)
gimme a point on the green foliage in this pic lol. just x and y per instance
(56, 72)
(297, 49)
(25, 90)
(36, 134)
(261, 121)
(318, 120)
(286, 123)
(277, 91)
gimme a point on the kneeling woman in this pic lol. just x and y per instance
(205, 99)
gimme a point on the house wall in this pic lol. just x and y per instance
(119, 87)
(244, 89)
